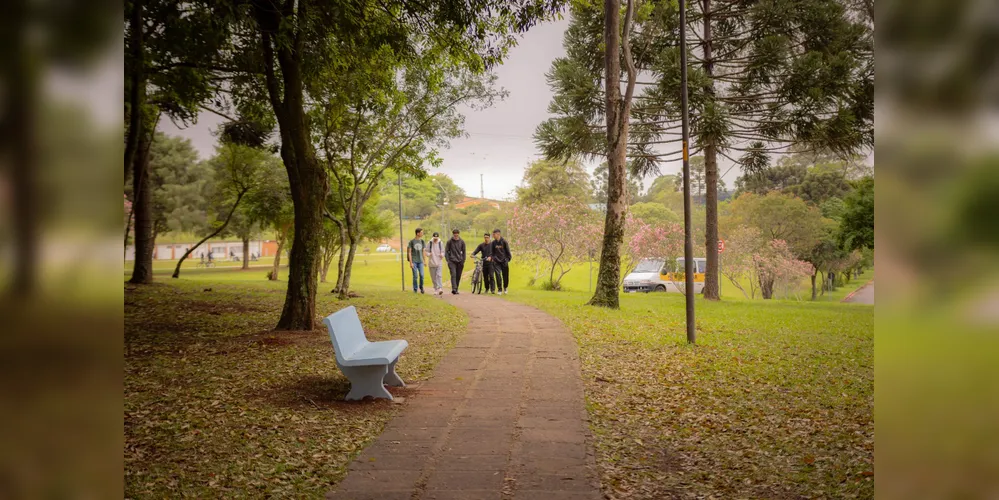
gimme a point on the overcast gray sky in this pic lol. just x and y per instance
(499, 144)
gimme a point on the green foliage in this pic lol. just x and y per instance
(654, 214)
(795, 72)
(181, 184)
(857, 226)
(545, 180)
(598, 185)
(780, 217)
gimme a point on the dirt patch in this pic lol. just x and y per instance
(219, 308)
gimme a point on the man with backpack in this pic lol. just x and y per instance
(500, 259)
(454, 252)
(435, 260)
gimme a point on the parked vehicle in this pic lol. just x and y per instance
(661, 275)
(384, 248)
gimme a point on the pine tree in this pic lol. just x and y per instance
(765, 75)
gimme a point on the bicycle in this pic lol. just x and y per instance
(477, 277)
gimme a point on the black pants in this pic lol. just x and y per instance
(456, 268)
(487, 276)
(501, 272)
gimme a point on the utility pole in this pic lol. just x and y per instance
(402, 260)
(482, 187)
(688, 239)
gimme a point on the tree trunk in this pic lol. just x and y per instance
(306, 177)
(303, 265)
(277, 259)
(345, 285)
(767, 288)
(813, 285)
(142, 205)
(618, 110)
(711, 289)
(137, 87)
(342, 262)
(246, 252)
(246, 244)
(20, 129)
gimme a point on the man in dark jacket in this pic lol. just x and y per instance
(454, 254)
(486, 249)
(500, 259)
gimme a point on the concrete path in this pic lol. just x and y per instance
(502, 418)
(862, 295)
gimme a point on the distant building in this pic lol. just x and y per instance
(220, 249)
(598, 207)
(469, 201)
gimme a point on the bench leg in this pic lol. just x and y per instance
(392, 378)
(366, 381)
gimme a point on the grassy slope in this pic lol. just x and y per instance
(775, 401)
(215, 405)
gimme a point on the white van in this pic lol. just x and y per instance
(660, 275)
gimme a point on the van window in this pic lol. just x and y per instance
(701, 266)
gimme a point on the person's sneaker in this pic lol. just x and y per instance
(421, 291)
(454, 292)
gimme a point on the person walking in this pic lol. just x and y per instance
(485, 250)
(500, 259)
(454, 252)
(435, 260)
(414, 254)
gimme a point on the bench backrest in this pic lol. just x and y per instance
(345, 332)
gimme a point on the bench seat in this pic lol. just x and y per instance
(369, 366)
(377, 353)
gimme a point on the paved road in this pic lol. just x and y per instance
(502, 418)
(864, 295)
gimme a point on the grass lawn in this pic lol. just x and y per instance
(218, 406)
(775, 401)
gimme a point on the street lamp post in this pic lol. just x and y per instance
(688, 239)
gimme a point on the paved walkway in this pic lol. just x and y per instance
(862, 295)
(502, 418)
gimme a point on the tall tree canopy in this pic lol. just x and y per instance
(765, 75)
(545, 180)
(284, 53)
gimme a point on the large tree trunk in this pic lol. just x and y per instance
(309, 193)
(142, 272)
(618, 110)
(277, 259)
(137, 87)
(306, 177)
(711, 288)
(20, 129)
(246, 252)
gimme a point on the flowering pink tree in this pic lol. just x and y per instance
(556, 234)
(764, 264)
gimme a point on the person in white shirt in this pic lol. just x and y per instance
(435, 260)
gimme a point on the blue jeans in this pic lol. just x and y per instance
(417, 267)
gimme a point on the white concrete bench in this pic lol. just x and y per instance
(368, 365)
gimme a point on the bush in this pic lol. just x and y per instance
(551, 286)
(270, 275)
